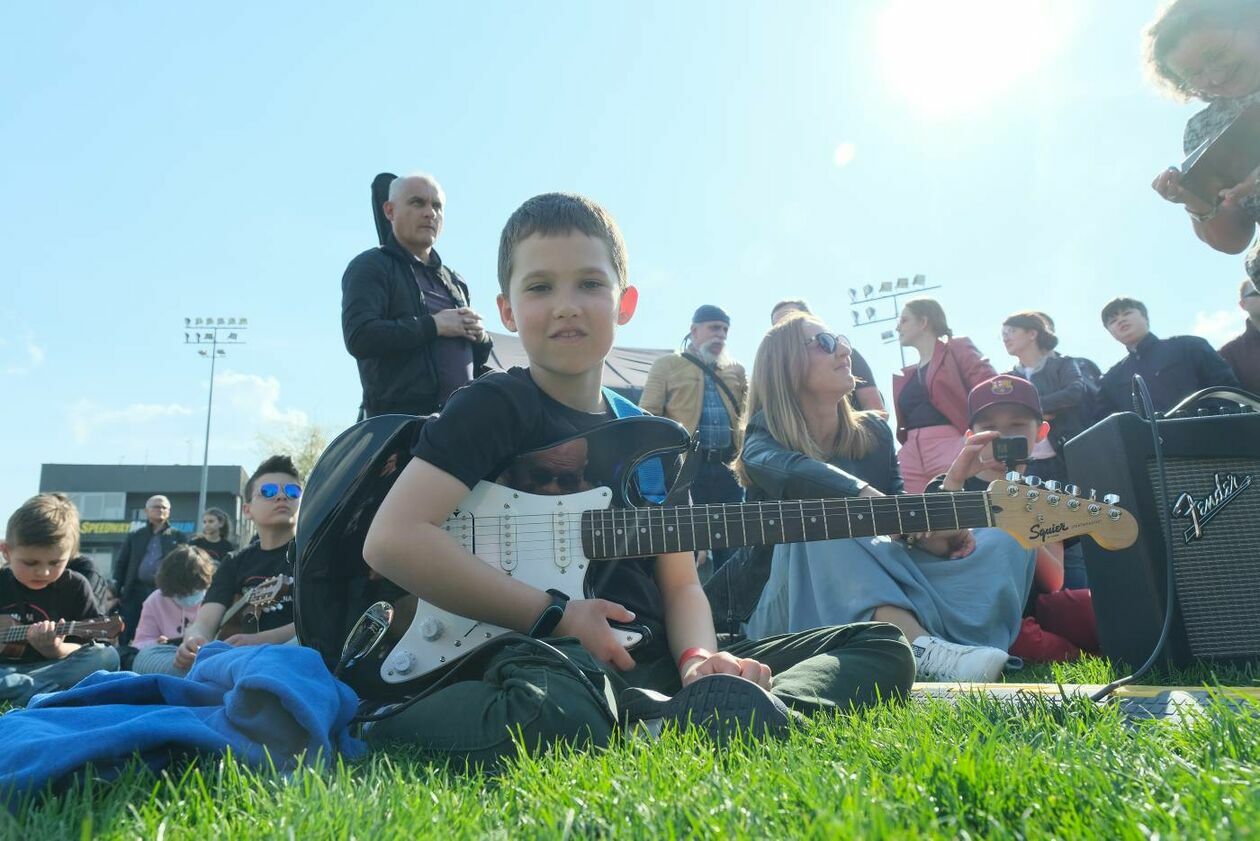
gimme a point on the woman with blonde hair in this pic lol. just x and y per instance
(803, 440)
(931, 396)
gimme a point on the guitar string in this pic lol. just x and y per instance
(657, 527)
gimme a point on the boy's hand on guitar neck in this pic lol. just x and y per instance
(42, 636)
(587, 620)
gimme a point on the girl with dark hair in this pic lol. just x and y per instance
(1210, 50)
(1060, 385)
(215, 527)
(931, 396)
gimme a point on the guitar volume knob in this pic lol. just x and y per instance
(431, 628)
(402, 661)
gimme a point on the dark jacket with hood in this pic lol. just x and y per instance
(389, 331)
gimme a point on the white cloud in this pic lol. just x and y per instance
(31, 356)
(86, 417)
(844, 154)
(256, 397)
(1218, 327)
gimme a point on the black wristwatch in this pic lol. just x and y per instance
(551, 615)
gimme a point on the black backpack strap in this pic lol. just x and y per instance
(709, 372)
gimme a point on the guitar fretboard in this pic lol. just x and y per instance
(635, 532)
(17, 633)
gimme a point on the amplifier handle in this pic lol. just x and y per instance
(1232, 395)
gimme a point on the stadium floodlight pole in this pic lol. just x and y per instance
(904, 287)
(205, 331)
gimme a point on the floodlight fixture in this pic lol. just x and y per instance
(870, 313)
(867, 290)
(920, 280)
(886, 286)
(887, 336)
(852, 296)
(857, 319)
(903, 283)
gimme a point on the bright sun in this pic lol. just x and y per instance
(947, 58)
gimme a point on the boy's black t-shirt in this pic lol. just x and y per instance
(69, 598)
(500, 415)
(248, 568)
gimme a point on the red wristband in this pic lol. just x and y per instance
(694, 651)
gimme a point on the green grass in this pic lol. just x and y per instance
(976, 769)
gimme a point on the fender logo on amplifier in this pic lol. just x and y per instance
(1199, 512)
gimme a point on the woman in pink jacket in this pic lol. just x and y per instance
(931, 396)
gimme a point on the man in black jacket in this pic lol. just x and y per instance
(136, 566)
(1173, 368)
(405, 315)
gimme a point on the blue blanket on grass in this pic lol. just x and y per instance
(267, 704)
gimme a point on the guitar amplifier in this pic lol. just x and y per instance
(1213, 497)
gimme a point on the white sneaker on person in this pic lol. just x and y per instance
(938, 659)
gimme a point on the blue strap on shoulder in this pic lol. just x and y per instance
(651, 472)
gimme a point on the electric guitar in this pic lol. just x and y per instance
(242, 617)
(13, 642)
(554, 518)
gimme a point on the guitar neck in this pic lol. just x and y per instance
(613, 533)
(17, 633)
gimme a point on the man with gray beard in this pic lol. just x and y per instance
(705, 390)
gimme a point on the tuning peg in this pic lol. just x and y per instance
(1032, 481)
(1052, 486)
(1014, 476)
(1072, 490)
(1111, 499)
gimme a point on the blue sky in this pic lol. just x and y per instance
(163, 161)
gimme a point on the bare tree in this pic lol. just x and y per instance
(301, 442)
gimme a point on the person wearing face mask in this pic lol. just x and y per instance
(182, 580)
(1210, 50)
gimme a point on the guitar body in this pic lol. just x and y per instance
(248, 608)
(525, 524)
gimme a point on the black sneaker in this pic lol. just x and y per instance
(722, 705)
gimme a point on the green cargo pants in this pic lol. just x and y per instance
(523, 696)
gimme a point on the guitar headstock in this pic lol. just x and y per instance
(99, 629)
(273, 589)
(1036, 513)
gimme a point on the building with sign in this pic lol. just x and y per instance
(111, 498)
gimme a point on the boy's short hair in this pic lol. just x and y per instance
(48, 519)
(185, 569)
(553, 214)
(272, 464)
(1118, 305)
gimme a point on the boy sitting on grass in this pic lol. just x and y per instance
(1059, 623)
(562, 276)
(37, 590)
(272, 498)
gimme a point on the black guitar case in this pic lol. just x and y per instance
(380, 193)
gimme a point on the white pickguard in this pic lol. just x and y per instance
(534, 538)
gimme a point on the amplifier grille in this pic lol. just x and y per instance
(1217, 574)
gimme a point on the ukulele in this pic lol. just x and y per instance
(13, 642)
(242, 617)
